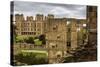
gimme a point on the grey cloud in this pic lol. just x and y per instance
(60, 10)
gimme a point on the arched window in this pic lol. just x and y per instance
(55, 27)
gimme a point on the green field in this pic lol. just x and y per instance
(31, 57)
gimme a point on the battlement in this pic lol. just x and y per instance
(41, 17)
(50, 16)
(38, 17)
(19, 17)
(29, 18)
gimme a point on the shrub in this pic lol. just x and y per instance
(29, 40)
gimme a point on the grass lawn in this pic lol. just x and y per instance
(38, 53)
(38, 42)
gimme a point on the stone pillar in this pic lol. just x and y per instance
(73, 34)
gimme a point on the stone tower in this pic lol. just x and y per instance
(19, 19)
(39, 24)
(71, 34)
(56, 39)
(92, 24)
(28, 26)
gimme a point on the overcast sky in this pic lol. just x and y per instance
(59, 10)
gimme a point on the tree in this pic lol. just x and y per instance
(14, 32)
(42, 38)
(29, 40)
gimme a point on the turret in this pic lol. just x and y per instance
(19, 17)
(39, 17)
(50, 16)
